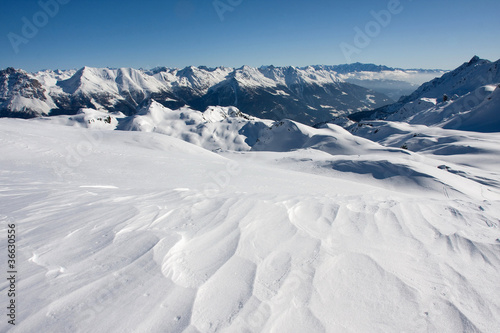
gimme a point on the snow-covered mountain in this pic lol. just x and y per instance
(478, 110)
(309, 95)
(466, 98)
(23, 96)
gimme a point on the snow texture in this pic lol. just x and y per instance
(310, 230)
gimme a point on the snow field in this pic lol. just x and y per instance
(126, 238)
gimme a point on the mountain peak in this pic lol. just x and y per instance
(9, 70)
(474, 60)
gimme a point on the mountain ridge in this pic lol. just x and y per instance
(451, 100)
(310, 94)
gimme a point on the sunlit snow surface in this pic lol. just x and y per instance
(314, 230)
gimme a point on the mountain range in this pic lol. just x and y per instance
(309, 95)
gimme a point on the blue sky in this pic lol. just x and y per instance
(417, 34)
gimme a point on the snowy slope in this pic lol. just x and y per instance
(218, 128)
(478, 110)
(287, 135)
(314, 230)
(462, 99)
(485, 117)
(96, 80)
(197, 79)
(466, 78)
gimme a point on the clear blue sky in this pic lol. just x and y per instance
(178, 33)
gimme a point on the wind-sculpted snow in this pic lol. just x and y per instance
(218, 128)
(133, 231)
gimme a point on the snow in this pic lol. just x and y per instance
(196, 78)
(20, 103)
(370, 99)
(218, 128)
(483, 115)
(465, 98)
(49, 79)
(90, 80)
(474, 111)
(287, 229)
(464, 79)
